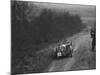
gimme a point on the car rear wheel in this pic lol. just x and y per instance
(70, 55)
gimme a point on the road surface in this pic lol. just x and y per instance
(80, 41)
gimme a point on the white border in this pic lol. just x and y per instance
(5, 36)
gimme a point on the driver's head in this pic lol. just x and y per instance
(68, 42)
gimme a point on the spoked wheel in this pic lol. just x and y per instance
(70, 55)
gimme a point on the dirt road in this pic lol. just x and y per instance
(80, 41)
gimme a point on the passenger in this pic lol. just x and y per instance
(67, 44)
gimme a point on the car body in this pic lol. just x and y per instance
(64, 50)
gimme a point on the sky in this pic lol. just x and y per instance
(84, 2)
(83, 10)
(87, 12)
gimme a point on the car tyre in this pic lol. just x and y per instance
(70, 55)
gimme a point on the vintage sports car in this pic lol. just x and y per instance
(64, 50)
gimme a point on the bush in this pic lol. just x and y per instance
(28, 37)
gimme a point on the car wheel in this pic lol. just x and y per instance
(70, 55)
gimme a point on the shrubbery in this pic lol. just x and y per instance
(48, 27)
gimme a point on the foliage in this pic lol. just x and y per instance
(29, 37)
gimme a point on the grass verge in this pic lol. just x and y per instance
(85, 60)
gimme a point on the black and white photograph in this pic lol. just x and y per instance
(52, 37)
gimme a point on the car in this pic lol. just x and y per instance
(65, 49)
